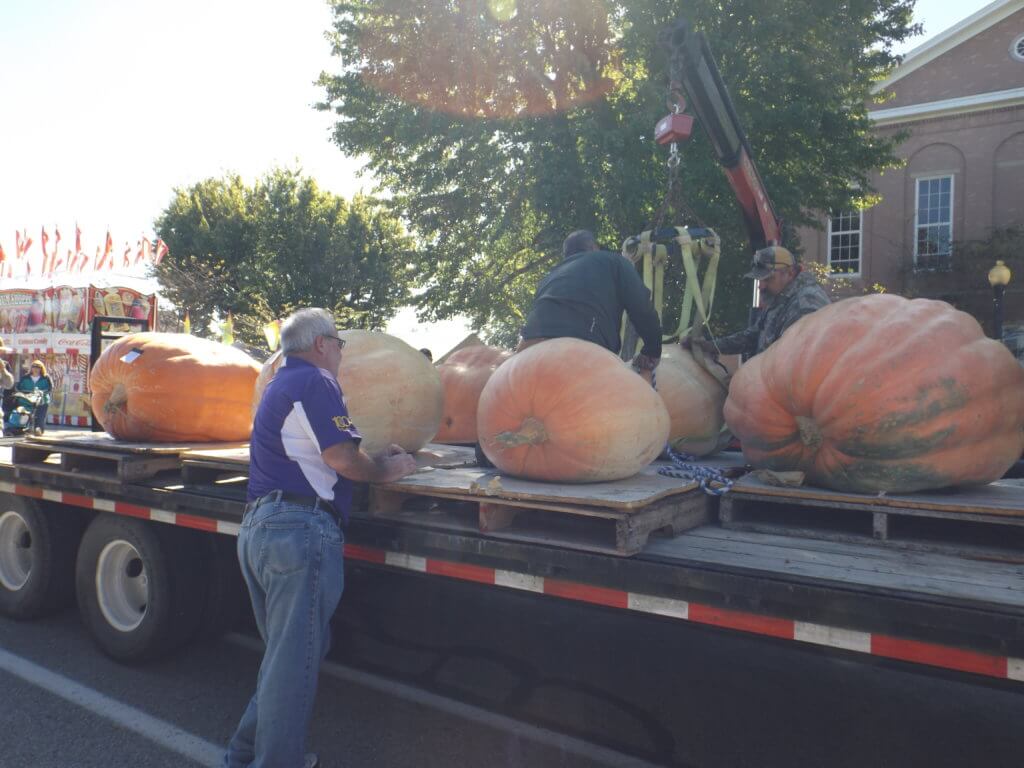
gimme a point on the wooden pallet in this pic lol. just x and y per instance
(212, 466)
(616, 518)
(98, 456)
(984, 522)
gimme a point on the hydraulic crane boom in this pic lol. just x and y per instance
(692, 68)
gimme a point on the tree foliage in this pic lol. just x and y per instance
(283, 244)
(498, 126)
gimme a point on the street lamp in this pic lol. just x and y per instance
(998, 277)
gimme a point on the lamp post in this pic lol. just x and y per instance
(998, 277)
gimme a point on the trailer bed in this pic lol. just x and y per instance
(930, 608)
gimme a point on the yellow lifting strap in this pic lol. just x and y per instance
(655, 248)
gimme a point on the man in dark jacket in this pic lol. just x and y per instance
(787, 294)
(584, 298)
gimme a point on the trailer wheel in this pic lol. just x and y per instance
(37, 556)
(139, 587)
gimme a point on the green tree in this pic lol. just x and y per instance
(282, 244)
(500, 125)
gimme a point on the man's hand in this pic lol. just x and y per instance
(348, 460)
(644, 363)
(395, 466)
(705, 346)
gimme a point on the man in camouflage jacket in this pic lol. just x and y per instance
(787, 294)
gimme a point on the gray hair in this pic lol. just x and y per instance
(300, 329)
(579, 241)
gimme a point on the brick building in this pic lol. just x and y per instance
(960, 96)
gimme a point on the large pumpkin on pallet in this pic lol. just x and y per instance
(694, 399)
(567, 410)
(392, 391)
(463, 376)
(881, 393)
(173, 387)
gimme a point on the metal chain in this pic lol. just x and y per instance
(685, 467)
(712, 481)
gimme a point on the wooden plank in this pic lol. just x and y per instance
(826, 508)
(432, 455)
(622, 534)
(854, 557)
(967, 552)
(992, 499)
(24, 453)
(104, 442)
(441, 456)
(237, 455)
(970, 535)
(496, 517)
(851, 571)
(632, 493)
(389, 499)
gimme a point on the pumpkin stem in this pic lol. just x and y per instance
(531, 432)
(118, 400)
(810, 433)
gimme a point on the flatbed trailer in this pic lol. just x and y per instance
(84, 516)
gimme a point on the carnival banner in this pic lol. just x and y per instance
(59, 318)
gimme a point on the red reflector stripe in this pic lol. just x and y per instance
(745, 622)
(367, 554)
(614, 598)
(938, 656)
(200, 523)
(131, 510)
(461, 571)
(29, 490)
(77, 501)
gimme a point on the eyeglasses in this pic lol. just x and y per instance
(341, 342)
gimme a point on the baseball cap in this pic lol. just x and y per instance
(767, 259)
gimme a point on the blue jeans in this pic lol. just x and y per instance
(40, 416)
(291, 558)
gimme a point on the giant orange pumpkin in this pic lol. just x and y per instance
(463, 376)
(881, 393)
(567, 410)
(173, 387)
(392, 392)
(694, 399)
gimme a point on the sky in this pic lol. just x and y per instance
(109, 105)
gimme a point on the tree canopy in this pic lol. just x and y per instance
(498, 126)
(261, 252)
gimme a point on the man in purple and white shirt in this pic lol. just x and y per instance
(304, 456)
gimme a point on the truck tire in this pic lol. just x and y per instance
(139, 586)
(37, 557)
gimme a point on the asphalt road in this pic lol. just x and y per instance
(709, 698)
(65, 704)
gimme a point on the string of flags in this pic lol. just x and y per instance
(52, 260)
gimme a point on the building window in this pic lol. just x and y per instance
(844, 243)
(1017, 48)
(934, 231)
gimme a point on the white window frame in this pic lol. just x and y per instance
(860, 246)
(917, 207)
(1016, 48)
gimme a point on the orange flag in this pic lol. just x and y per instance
(44, 239)
(56, 261)
(161, 251)
(108, 246)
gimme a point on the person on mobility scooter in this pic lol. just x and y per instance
(32, 398)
